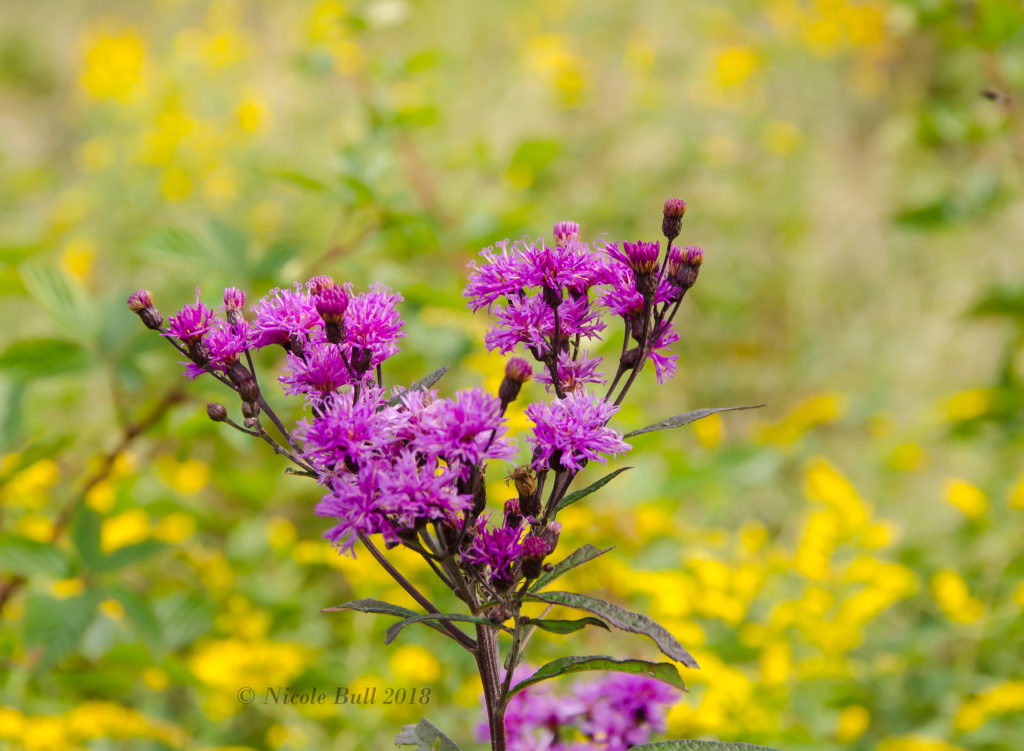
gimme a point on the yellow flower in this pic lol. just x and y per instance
(65, 588)
(414, 665)
(966, 405)
(1017, 494)
(280, 532)
(124, 529)
(733, 66)
(155, 679)
(114, 66)
(954, 599)
(776, 663)
(77, 257)
(175, 528)
(251, 113)
(853, 721)
(710, 431)
(966, 497)
(782, 137)
(113, 609)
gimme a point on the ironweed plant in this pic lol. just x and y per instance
(404, 466)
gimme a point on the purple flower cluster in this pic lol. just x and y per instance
(388, 467)
(569, 432)
(613, 713)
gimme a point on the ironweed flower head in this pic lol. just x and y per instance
(234, 301)
(569, 432)
(372, 322)
(283, 314)
(498, 549)
(319, 284)
(226, 342)
(191, 322)
(672, 222)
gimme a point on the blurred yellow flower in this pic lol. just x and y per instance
(78, 256)
(1017, 494)
(35, 527)
(64, 588)
(281, 533)
(113, 609)
(734, 65)
(966, 405)
(155, 679)
(28, 487)
(564, 70)
(176, 184)
(954, 599)
(776, 663)
(187, 477)
(710, 431)
(853, 721)
(907, 457)
(100, 497)
(413, 665)
(819, 409)
(251, 113)
(175, 527)
(113, 66)
(782, 137)
(916, 743)
(967, 497)
(127, 528)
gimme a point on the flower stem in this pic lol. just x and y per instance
(488, 661)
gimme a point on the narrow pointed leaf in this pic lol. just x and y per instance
(623, 619)
(577, 558)
(370, 605)
(556, 626)
(429, 617)
(579, 495)
(424, 383)
(425, 737)
(25, 556)
(665, 672)
(699, 746)
(686, 418)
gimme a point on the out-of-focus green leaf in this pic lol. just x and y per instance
(57, 625)
(85, 535)
(22, 555)
(141, 617)
(998, 21)
(425, 736)
(623, 619)
(183, 617)
(130, 554)
(59, 296)
(665, 672)
(370, 605)
(577, 558)
(40, 358)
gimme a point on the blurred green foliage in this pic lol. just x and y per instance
(853, 171)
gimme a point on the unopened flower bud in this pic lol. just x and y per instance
(331, 303)
(550, 534)
(534, 551)
(250, 411)
(525, 480)
(565, 233)
(251, 422)
(141, 303)
(249, 390)
(672, 223)
(686, 274)
(517, 372)
(512, 513)
(318, 284)
(216, 412)
(630, 358)
(234, 299)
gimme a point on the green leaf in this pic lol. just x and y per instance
(183, 617)
(61, 297)
(579, 495)
(130, 554)
(623, 619)
(557, 626)
(577, 558)
(425, 737)
(175, 244)
(422, 384)
(665, 672)
(370, 605)
(141, 617)
(85, 535)
(57, 625)
(686, 418)
(24, 556)
(39, 358)
(303, 181)
(426, 618)
(699, 746)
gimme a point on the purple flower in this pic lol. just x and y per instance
(623, 710)
(641, 257)
(566, 233)
(410, 491)
(139, 300)
(531, 322)
(353, 502)
(331, 303)
(226, 343)
(568, 432)
(372, 322)
(501, 276)
(664, 363)
(282, 314)
(318, 372)
(191, 322)
(498, 549)
(621, 296)
(348, 433)
(319, 284)
(234, 299)
(574, 373)
(463, 431)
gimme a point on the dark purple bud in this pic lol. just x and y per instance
(686, 274)
(550, 535)
(250, 411)
(565, 233)
(249, 390)
(672, 223)
(362, 357)
(479, 493)
(216, 412)
(512, 513)
(629, 360)
(517, 372)
(141, 303)
(534, 551)
(331, 304)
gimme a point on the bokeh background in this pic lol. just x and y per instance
(845, 563)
